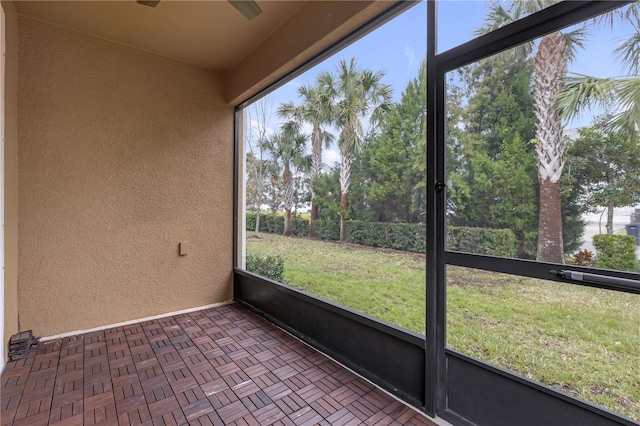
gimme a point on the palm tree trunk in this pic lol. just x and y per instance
(344, 205)
(287, 198)
(550, 223)
(316, 167)
(314, 215)
(287, 222)
(345, 181)
(550, 67)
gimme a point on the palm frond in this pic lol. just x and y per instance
(582, 92)
(575, 40)
(328, 139)
(350, 144)
(288, 110)
(627, 120)
(630, 12)
(629, 53)
(326, 83)
(291, 128)
(529, 7)
(497, 17)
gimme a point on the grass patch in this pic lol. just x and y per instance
(383, 284)
(580, 340)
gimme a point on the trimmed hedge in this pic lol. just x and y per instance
(493, 242)
(274, 224)
(328, 230)
(397, 236)
(616, 252)
(266, 266)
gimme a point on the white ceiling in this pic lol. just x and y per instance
(211, 33)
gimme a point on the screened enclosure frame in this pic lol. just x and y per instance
(449, 384)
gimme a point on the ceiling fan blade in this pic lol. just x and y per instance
(248, 8)
(150, 3)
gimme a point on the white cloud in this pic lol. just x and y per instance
(307, 128)
(411, 56)
(330, 157)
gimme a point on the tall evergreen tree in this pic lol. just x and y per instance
(492, 165)
(394, 191)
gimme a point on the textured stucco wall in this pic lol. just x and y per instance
(10, 307)
(121, 155)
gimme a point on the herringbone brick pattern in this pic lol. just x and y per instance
(219, 366)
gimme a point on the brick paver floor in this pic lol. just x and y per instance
(219, 366)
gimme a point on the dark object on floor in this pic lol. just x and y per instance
(20, 344)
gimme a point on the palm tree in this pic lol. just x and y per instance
(621, 93)
(315, 110)
(288, 150)
(355, 94)
(551, 57)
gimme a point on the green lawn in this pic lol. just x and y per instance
(583, 341)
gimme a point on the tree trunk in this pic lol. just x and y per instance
(314, 216)
(550, 223)
(550, 68)
(257, 230)
(344, 205)
(287, 198)
(345, 182)
(287, 222)
(316, 167)
(609, 217)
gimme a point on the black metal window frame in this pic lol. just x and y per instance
(555, 17)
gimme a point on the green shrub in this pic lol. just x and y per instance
(397, 236)
(299, 225)
(267, 266)
(616, 252)
(250, 221)
(328, 229)
(274, 223)
(494, 242)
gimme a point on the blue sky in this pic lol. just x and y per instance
(399, 46)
